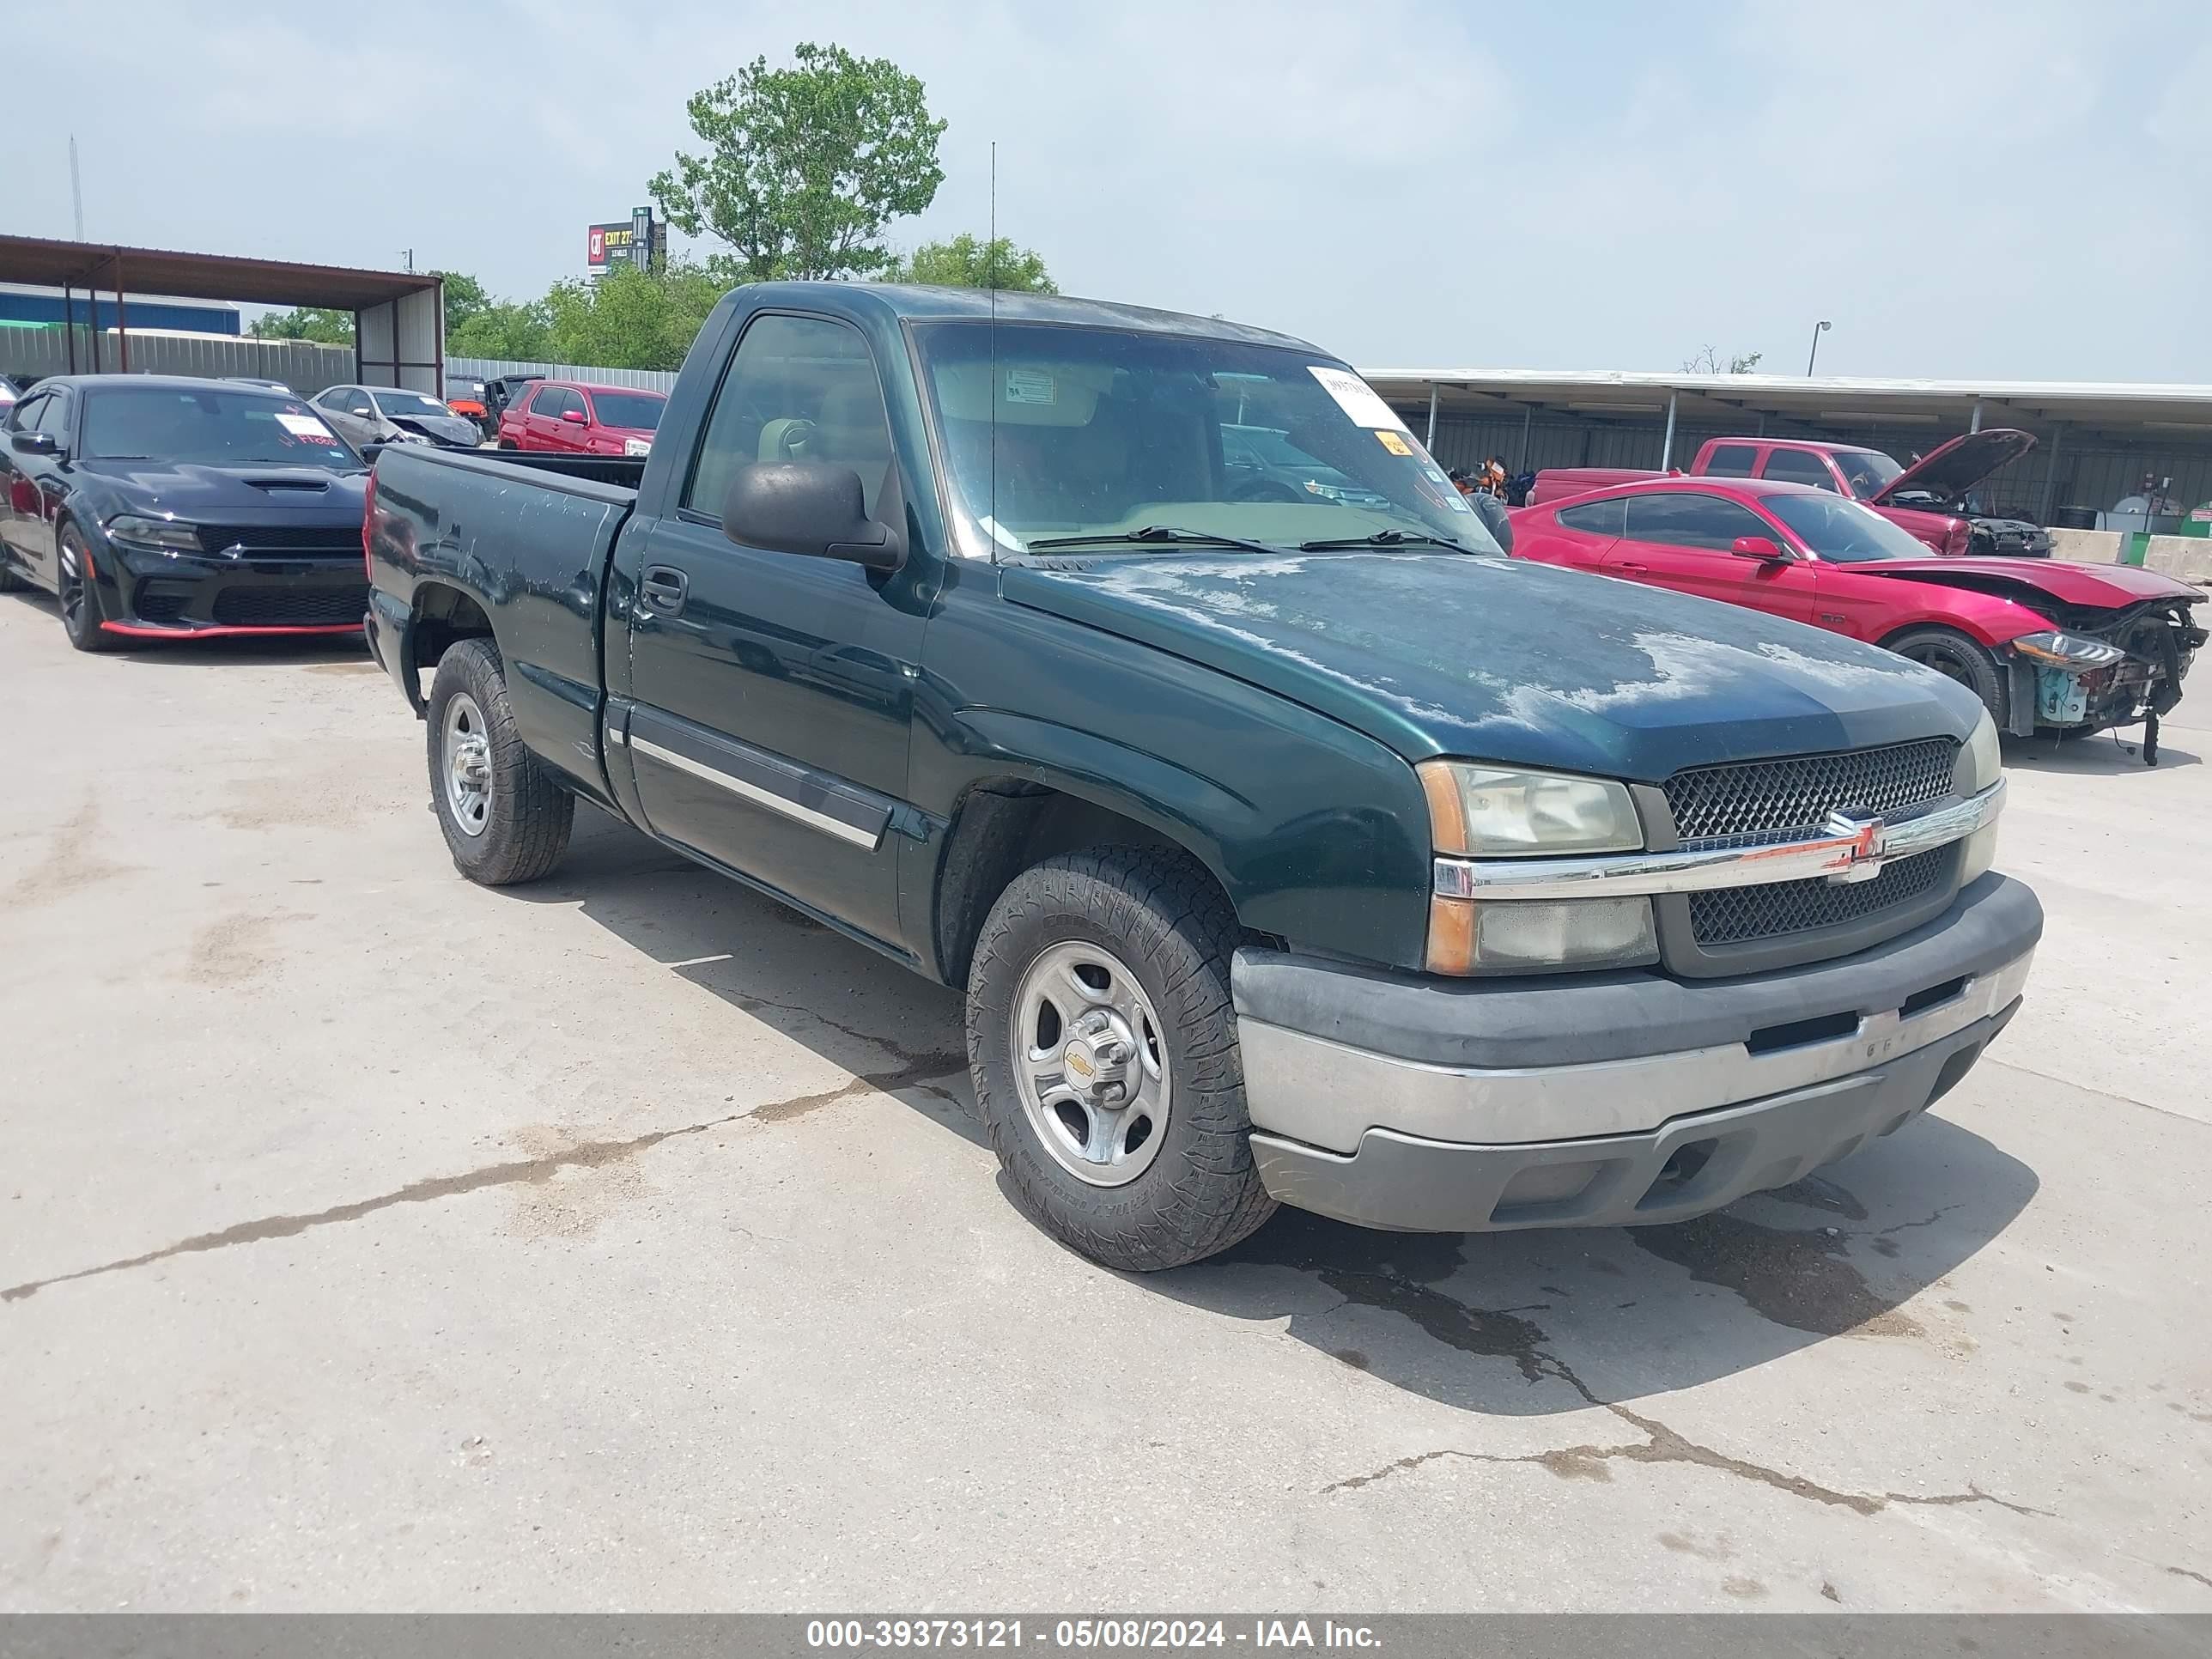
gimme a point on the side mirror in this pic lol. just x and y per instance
(574, 416)
(1760, 548)
(34, 443)
(812, 508)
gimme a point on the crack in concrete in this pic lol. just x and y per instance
(587, 1155)
(1505, 1335)
(2190, 1572)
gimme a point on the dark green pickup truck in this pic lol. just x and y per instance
(1289, 842)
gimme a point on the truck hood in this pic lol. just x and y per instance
(237, 495)
(1949, 470)
(2108, 585)
(1502, 659)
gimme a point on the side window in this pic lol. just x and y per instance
(1800, 466)
(798, 389)
(24, 417)
(1678, 520)
(552, 401)
(55, 417)
(1597, 518)
(1729, 461)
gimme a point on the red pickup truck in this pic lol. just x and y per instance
(1932, 500)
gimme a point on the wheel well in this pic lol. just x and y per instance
(443, 616)
(1888, 642)
(1004, 826)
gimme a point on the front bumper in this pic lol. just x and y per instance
(1423, 1105)
(153, 595)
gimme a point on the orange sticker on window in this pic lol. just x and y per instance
(1391, 441)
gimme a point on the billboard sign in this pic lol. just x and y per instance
(608, 245)
(637, 241)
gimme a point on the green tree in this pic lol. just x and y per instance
(805, 167)
(465, 298)
(630, 319)
(515, 330)
(968, 262)
(308, 323)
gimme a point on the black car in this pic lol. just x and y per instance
(161, 507)
(500, 393)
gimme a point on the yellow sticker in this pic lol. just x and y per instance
(1393, 442)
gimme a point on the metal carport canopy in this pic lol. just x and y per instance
(2116, 405)
(399, 320)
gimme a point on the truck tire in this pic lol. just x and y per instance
(1113, 963)
(505, 819)
(1956, 657)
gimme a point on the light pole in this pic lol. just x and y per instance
(1819, 329)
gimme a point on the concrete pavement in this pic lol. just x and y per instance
(369, 1240)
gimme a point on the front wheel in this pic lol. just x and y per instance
(505, 819)
(1955, 656)
(1104, 1051)
(79, 597)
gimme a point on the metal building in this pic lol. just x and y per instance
(2098, 442)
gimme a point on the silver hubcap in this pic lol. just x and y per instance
(1091, 1063)
(466, 746)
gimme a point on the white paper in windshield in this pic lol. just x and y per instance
(1356, 398)
(305, 425)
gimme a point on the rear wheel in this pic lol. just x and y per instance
(79, 597)
(505, 819)
(1955, 656)
(1104, 1051)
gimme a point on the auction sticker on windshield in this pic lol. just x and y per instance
(1394, 443)
(1356, 398)
(304, 426)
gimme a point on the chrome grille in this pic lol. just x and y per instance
(1761, 803)
(1732, 916)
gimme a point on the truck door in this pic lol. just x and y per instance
(773, 691)
(1681, 539)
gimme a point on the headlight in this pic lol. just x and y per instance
(1482, 811)
(1488, 811)
(2064, 650)
(1985, 759)
(637, 446)
(170, 535)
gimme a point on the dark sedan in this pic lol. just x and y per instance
(161, 507)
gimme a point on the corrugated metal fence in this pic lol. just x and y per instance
(458, 369)
(301, 365)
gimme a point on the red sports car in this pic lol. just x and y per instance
(2048, 645)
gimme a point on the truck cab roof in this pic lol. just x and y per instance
(913, 303)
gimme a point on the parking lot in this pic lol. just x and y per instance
(368, 1239)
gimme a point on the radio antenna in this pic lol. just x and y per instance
(991, 279)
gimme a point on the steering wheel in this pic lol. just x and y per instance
(1267, 490)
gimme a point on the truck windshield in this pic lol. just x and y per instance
(1868, 471)
(209, 429)
(1052, 433)
(1841, 531)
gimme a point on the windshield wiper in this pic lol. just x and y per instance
(1383, 538)
(1163, 535)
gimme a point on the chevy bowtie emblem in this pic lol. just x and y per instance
(1865, 843)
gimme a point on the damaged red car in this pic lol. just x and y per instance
(2048, 645)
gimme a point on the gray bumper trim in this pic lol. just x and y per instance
(1686, 1168)
(1573, 1019)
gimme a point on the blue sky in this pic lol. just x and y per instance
(2017, 190)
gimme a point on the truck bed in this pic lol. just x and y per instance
(528, 539)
